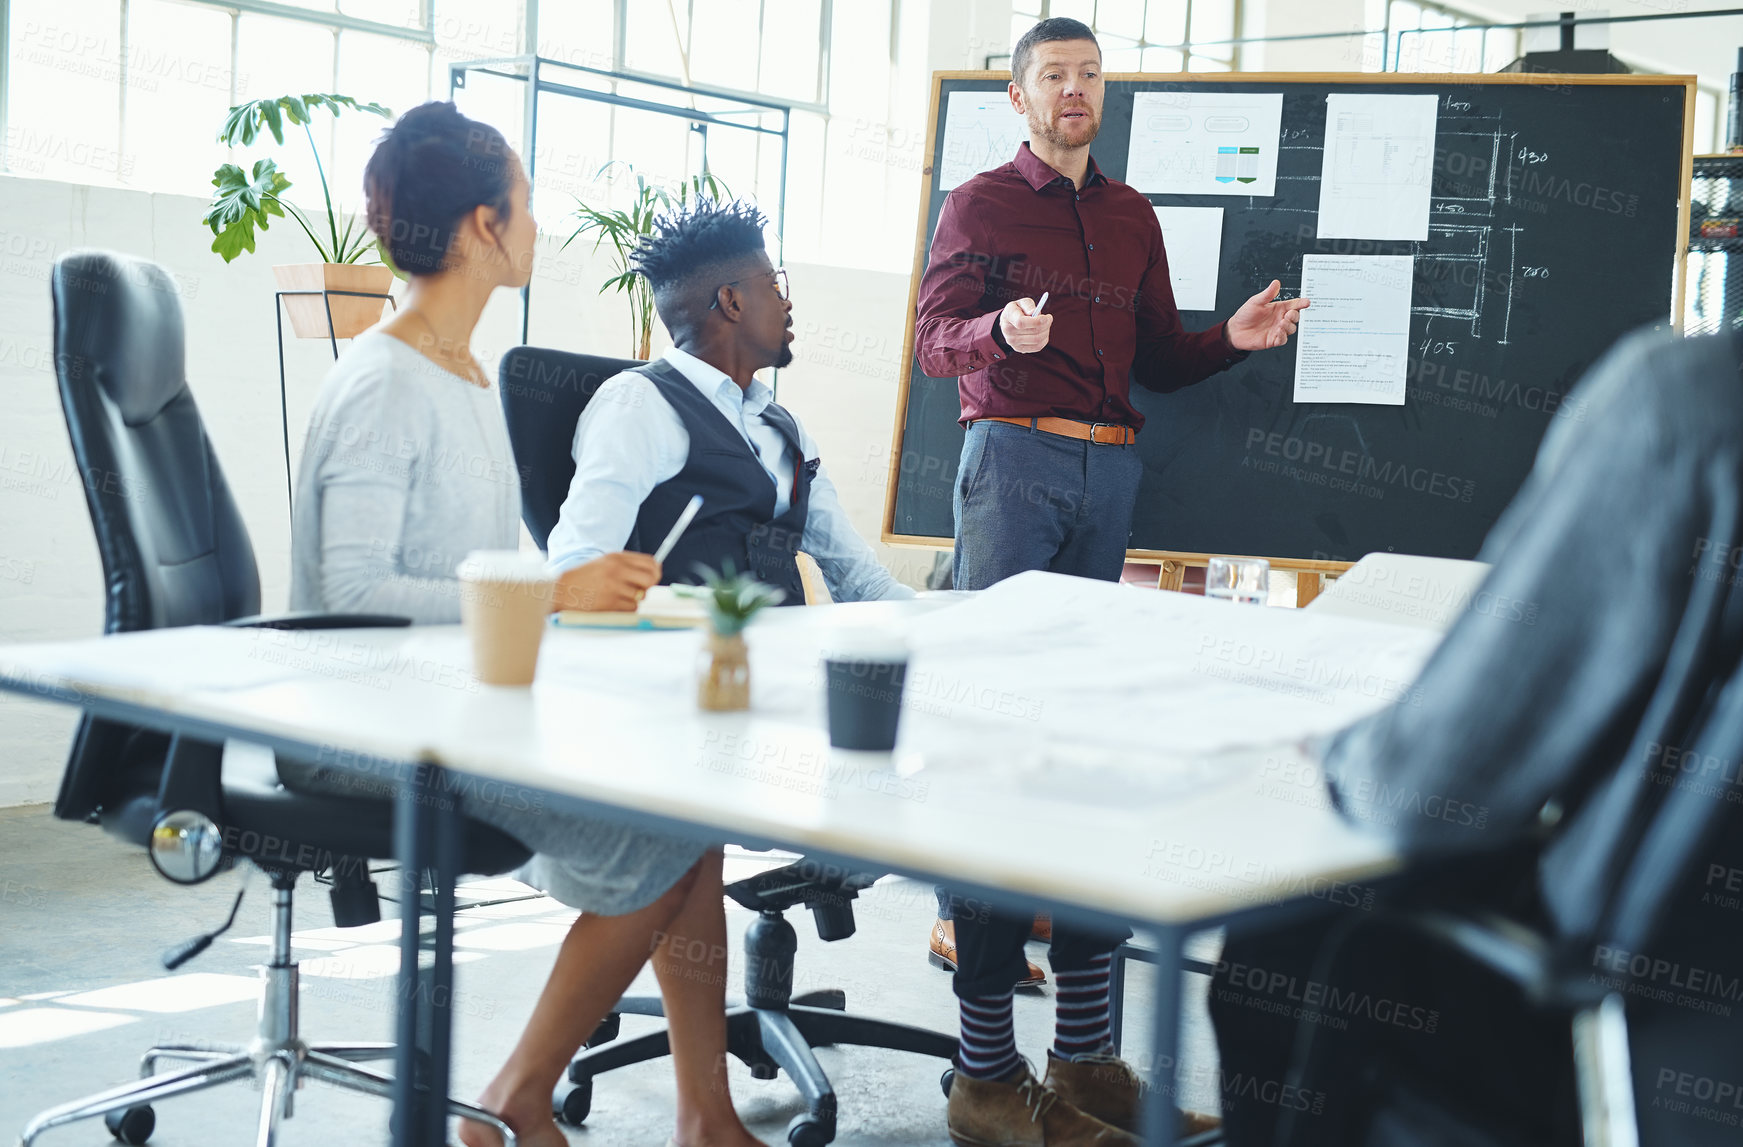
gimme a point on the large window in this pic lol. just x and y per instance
(774, 50)
(1450, 43)
(132, 92)
(1148, 35)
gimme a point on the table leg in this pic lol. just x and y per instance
(1117, 996)
(426, 839)
(1161, 1121)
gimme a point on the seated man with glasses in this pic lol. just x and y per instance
(698, 421)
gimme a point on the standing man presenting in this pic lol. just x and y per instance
(1048, 479)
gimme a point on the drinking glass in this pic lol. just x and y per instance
(1238, 579)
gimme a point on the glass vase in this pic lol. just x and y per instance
(723, 677)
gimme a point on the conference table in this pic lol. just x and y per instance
(1119, 757)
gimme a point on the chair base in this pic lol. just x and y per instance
(767, 1040)
(278, 1058)
(280, 1066)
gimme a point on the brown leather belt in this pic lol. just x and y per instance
(1101, 433)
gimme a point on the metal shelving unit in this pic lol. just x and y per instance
(1715, 259)
(703, 108)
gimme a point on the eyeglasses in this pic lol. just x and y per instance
(781, 288)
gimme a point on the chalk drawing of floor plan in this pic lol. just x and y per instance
(1475, 261)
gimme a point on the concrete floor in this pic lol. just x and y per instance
(83, 918)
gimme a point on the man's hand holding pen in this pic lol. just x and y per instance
(1024, 326)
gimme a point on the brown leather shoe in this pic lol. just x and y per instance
(1019, 1112)
(943, 954)
(1105, 1086)
(1042, 929)
(1108, 1088)
(1197, 1123)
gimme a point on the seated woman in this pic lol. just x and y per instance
(407, 467)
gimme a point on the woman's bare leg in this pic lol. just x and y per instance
(690, 963)
(597, 961)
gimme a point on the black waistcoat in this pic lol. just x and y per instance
(737, 522)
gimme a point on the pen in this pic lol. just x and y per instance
(678, 529)
(1039, 305)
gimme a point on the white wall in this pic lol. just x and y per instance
(849, 326)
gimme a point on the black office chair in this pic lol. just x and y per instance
(175, 552)
(1671, 831)
(543, 394)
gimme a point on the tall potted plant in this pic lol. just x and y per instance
(245, 200)
(624, 228)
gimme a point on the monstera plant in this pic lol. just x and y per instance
(351, 280)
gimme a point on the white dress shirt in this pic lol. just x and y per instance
(629, 440)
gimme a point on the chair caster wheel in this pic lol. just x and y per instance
(946, 1079)
(571, 1102)
(808, 1131)
(132, 1125)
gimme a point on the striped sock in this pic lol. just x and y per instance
(989, 1041)
(1082, 1024)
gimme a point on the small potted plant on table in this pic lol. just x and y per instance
(723, 683)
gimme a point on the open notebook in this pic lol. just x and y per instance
(664, 607)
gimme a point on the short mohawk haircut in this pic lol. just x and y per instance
(704, 235)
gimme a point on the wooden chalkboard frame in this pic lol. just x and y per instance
(1173, 559)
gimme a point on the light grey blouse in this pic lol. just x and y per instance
(406, 468)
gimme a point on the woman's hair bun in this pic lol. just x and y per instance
(429, 170)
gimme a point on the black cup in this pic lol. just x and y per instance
(865, 701)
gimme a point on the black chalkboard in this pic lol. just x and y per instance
(1556, 226)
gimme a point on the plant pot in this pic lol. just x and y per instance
(723, 680)
(351, 315)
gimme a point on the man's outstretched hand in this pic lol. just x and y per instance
(1265, 321)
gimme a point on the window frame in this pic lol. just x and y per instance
(1464, 19)
(1460, 19)
(422, 33)
(1187, 50)
(338, 22)
(819, 102)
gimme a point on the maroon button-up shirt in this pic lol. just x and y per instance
(1021, 229)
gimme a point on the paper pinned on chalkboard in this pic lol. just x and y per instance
(1354, 341)
(1205, 143)
(981, 131)
(1378, 166)
(1192, 239)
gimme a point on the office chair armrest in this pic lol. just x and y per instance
(1518, 954)
(309, 619)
